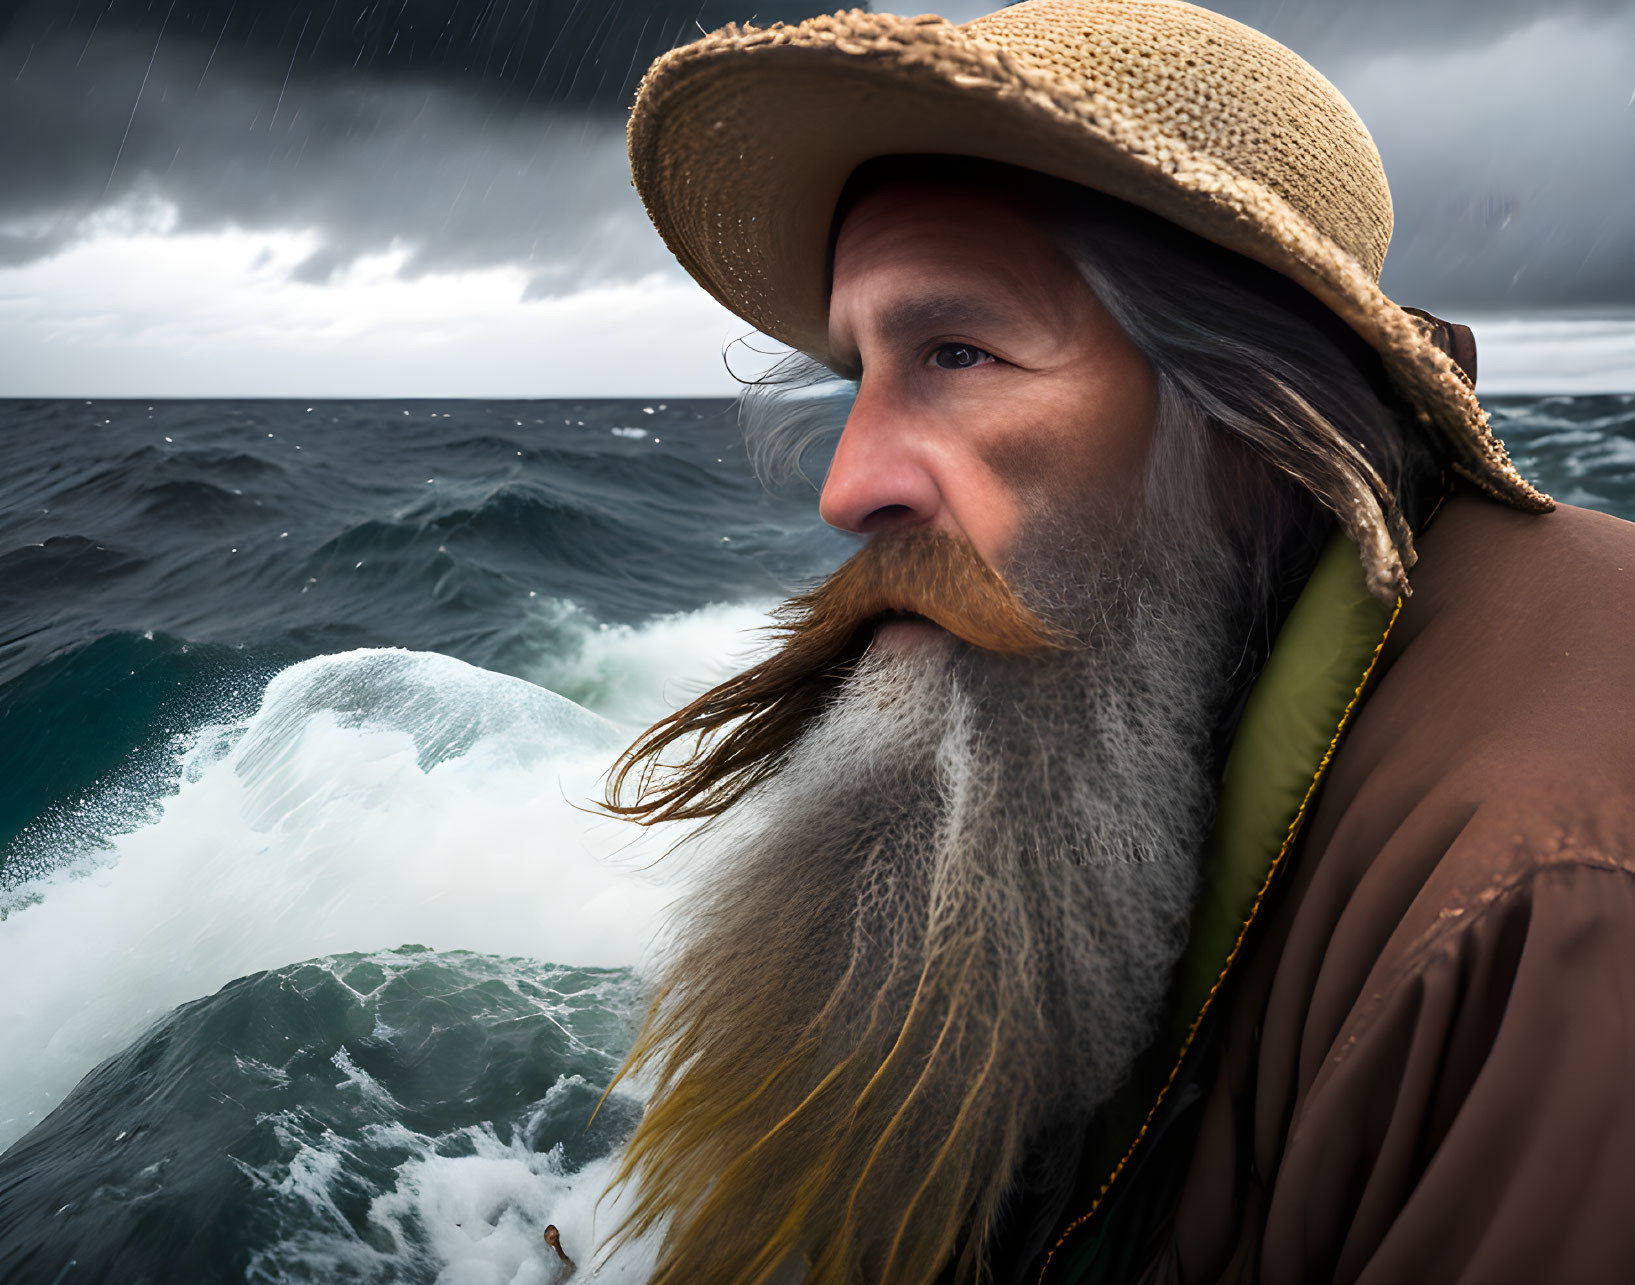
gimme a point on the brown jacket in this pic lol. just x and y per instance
(1421, 1065)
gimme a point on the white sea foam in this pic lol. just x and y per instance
(476, 1218)
(634, 675)
(375, 798)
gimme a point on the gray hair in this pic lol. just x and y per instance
(1293, 396)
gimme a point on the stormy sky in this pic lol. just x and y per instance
(430, 197)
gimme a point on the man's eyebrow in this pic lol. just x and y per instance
(922, 313)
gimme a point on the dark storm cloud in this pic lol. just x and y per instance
(1321, 30)
(459, 179)
(1507, 128)
(477, 133)
(579, 52)
(591, 52)
(484, 132)
(1512, 168)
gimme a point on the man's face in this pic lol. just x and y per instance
(992, 383)
(949, 875)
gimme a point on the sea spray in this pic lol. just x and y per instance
(633, 675)
(404, 1115)
(374, 798)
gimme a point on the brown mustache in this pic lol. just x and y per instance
(822, 632)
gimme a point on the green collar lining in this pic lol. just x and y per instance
(1301, 704)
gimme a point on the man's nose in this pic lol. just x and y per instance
(880, 478)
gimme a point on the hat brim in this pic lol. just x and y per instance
(741, 142)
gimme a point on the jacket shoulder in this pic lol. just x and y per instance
(1491, 569)
(1460, 909)
(1499, 740)
(1473, 1120)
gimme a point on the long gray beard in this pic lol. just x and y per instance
(936, 940)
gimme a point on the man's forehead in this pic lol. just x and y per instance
(914, 256)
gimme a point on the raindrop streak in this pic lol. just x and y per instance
(287, 70)
(636, 50)
(92, 36)
(214, 47)
(319, 38)
(139, 93)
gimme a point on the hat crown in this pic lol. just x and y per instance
(1198, 90)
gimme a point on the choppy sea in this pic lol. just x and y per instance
(314, 958)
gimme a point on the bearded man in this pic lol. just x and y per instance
(1115, 875)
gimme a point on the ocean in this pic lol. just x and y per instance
(317, 958)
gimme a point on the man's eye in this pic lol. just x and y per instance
(960, 356)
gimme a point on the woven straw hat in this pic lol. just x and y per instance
(740, 143)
